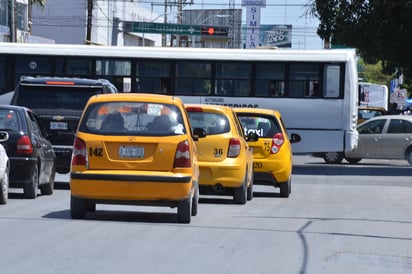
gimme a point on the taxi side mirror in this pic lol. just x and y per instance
(198, 133)
(252, 136)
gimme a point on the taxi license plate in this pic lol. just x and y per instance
(58, 125)
(131, 152)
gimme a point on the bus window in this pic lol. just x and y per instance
(270, 79)
(304, 79)
(74, 66)
(332, 81)
(33, 65)
(2, 76)
(233, 79)
(193, 78)
(153, 76)
(113, 67)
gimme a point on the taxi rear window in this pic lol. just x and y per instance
(212, 123)
(133, 118)
(265, 127)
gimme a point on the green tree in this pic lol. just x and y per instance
(379, 29)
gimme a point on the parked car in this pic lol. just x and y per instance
(225, 159)
(135, 149)
(31, 155)
(365, 113)
(272, 152)
(4, 171)
(59, 102)
(382, 137)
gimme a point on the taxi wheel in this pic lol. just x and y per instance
(240, 194)
(77, 208)
(250, 189)
(286, 188)
(195, 201)
(184, 210)
(30, 189)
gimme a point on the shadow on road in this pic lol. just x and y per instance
(347, 169)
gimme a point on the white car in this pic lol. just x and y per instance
(4, 175)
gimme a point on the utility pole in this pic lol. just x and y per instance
(89, 21)
(231, 36)
(12, 21)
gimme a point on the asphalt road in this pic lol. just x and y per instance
(338, 219)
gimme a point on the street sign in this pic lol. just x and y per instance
(145, 27)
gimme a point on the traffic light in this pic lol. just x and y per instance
(213, 31)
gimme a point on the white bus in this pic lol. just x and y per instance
(315, 90)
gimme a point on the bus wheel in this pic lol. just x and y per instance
(333, 157)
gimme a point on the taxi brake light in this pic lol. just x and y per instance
(277, 142)
(234, 148)
(182, 157)
(194, 109)
(79, 152)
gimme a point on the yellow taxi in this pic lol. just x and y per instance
(272, 151)
(135, 149)
(225, 160)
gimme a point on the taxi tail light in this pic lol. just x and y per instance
(24, 145)
(182, 157)
(234, 148)
(194, 109)
(277, 141)
(79, 152)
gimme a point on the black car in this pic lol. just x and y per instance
(31, 155)
(59, 102)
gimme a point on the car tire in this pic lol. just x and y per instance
(408, 156)
(47, 189)
(250, 190)
(63, 170)
(30, 189)
(77, 208)
(195, 202)
(333, 157)
(184, 210)
(240, 193)
(4, 194)
(286, 188)
(353, 160)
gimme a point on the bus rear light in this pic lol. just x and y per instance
(182, 157)
(277, 141)
(79, 152)
(234, 148)
(24, 145)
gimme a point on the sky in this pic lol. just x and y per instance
(276, 12)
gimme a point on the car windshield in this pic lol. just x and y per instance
(46, 97)
(265, 127)
(9, 120)
(133, 118)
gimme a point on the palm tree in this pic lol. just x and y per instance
(41, 3)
